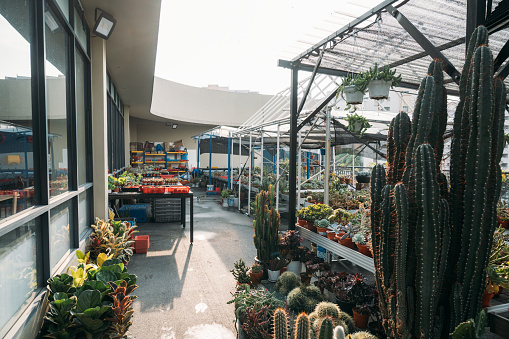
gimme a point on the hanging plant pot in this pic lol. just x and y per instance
(379, 89)
(356, 127)
(353, 96)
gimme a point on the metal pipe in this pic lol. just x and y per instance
(250, 169)
(326, 162)
(229, 160)
(240, 166)
(299, 176)
(293, 150)
(277, 169)
(261, 167)
(210, 160)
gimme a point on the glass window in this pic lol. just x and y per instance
(16, 148)
(84, 203)
(64, 6)
(59, 234)
(19, 264)
(57, 44)
(81, 95)
(80, 30)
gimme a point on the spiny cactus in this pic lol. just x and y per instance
(326, 308)
(431, 245)
(326, 328)
(280, 324)
(286, 282)
(266, 226)
(361, 335)
(304, 298)
(302, 327)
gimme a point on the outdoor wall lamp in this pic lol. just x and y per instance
(104, 25)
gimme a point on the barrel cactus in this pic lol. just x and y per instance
(266, 226)
(431, 240)
(286, 282)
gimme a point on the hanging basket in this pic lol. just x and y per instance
(352, 96)
(356, 127)
(379, 89)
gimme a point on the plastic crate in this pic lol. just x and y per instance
(135, 211)
(179, 189)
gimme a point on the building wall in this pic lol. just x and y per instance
(210, 106)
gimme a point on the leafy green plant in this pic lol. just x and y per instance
(357, 123)
(225, 193)
(114, 239)
(358, 81)
(122, 309)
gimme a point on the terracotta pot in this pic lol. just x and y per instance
(347, 242)
(486, 299)
(331, 235)
(256, 278)
(339, 235)
(311, 226)
(302, 222)
(312, 156)
(361, 320)
(364, 249)
(348, 181)
(116, 190)
(321, 231)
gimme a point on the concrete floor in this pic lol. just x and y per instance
(183, 288)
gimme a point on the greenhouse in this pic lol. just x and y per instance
(358, 189)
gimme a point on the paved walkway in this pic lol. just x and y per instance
(183, 288)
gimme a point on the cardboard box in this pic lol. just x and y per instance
(179, 143)
(168, 146)
(136, 146)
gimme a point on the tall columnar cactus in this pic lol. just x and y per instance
(431, 244)
(266, 225)
(302, 328)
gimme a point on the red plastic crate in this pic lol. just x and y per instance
(141, 243)
(179, 189)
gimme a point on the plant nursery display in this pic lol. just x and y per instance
(431, 238)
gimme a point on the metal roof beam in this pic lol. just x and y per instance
(345, 29)
(303, 100)
(502, 56)
(424, 43)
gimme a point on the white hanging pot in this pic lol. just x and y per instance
(273, 275)
(356, 127)
(353, 96)
(379, 89)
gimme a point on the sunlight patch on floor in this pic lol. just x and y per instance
(209, 331)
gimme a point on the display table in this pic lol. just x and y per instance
(182, 196)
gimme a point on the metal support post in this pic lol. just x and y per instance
(333, 159)
(353, 163)
(308, 154)
(326, 162)
(250, 171)
(198, 156)
(277, 169)
(299, 176)
(229, 160)
(240, 167)
(210, 160)
(476, 14)
(261, 167)
(293, 150)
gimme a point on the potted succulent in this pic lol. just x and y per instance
(498, 267)
(225, 194)
(301, 215)
(256, 274)
(350, 290)
(363, 177)
(352, 89)
(380, 81)
(292, 251)
(357, 124)
(240, 272)
(322, 226)
(274, 268)
(317, 212)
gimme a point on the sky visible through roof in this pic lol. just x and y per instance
(236, 44)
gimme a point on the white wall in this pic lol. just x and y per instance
(180, 102)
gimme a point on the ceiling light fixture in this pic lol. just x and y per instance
(104, 25)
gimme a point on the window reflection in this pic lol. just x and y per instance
(16, 147)
(56, 102)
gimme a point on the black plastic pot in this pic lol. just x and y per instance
(363, 179)
(345, 306)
